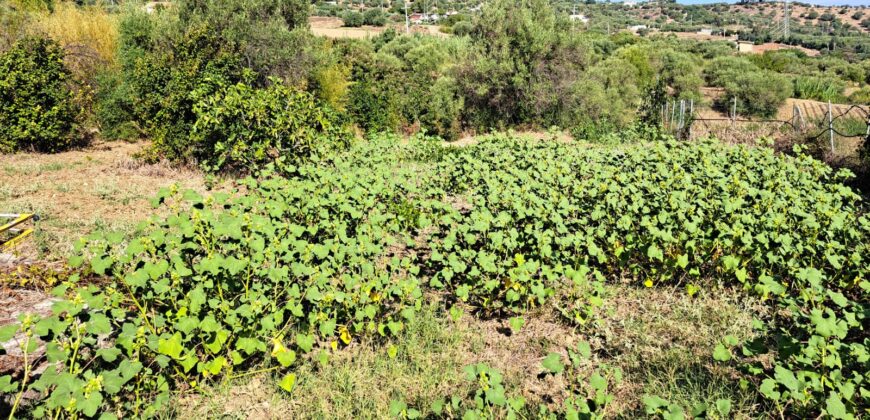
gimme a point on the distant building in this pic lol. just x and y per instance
(417, 18)
(153, 6)
(630, 3)
(706, 31)
(637, 28)
(745, 46)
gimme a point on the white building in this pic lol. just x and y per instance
(579, 18)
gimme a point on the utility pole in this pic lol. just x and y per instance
(573, 16)
(407, 21)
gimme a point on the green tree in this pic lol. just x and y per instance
(240, 128)
(758, 94)
(524, 62)
(374, 17)
(353, 19)
(37, 111)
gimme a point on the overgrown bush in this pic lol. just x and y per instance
(606, 97)
(88, 32)
(524, 63)
(162, 83)
(374, 17)
(406, 82)
(758, 94)
(242, 128)
(353, 19)
(462, 28)
(722, 70)
(37, 108)
(197, 46)
(113, 108)
(819, 88)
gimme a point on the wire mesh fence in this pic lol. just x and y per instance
(841, 128)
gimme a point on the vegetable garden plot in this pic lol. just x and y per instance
(294, 268)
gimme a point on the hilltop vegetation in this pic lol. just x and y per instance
(348, 228)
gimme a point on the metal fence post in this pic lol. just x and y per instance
(734, 111)
(831, 125)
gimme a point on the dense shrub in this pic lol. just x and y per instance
(162, 82)
(781, 61)
(242, 128)
(682, 73)
(406, 82)
(758, 94)
(88, 32)
(271, 36)
(374, 17)
(818, 88)
(442, 114)
(722, 70)
(525, 61)
(37, 110)
(113, 109)
(170, 59)
(607, 94)
(462, 28)
(353, 19)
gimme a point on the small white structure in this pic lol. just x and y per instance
(745, 46)
(579, 18)
(153, 6)
(637, 28)
(706, 31)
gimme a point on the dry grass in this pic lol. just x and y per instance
(88, 33)
(331, 27)
(661, 338)
(81, 191)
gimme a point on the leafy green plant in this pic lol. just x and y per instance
(282, 271)
(542, 215)
(232, 283)
(819, 88)
(37, 111)
(488, 400)
(758, 93)
(243, 128)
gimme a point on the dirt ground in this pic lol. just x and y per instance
(77, 192)
(332, 27)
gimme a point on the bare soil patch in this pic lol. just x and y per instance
(80, 191)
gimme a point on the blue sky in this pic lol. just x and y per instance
(818, 2)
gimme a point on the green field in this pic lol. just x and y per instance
(242, 219)
(408, 263)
